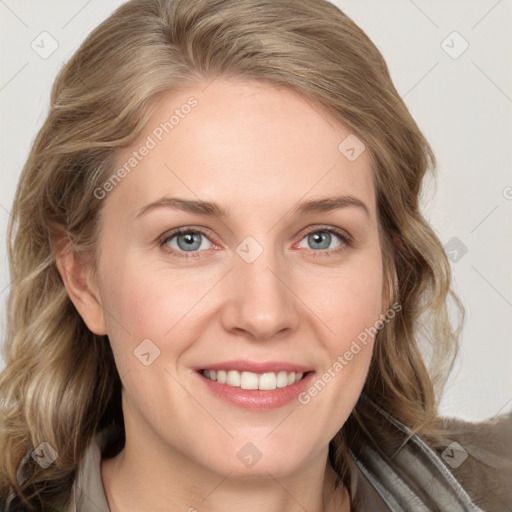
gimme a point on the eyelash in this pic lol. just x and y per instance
(346, 241)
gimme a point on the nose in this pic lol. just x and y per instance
(260, 302)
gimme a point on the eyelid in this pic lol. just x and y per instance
(182, 230)
(342, 233)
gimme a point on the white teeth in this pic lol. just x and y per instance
(249, 380)
(233, 378)
(282, 379)
(267, 381)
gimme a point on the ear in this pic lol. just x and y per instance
(80, 282)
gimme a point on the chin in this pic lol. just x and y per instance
(255, 459)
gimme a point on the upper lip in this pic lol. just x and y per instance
(256, 366)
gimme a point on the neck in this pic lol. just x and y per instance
(152, 478)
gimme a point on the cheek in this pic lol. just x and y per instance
(350, 307)
(346, 300)
(143, 303)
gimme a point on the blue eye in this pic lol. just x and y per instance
(322, 238)
(185, 240)
(189, 243)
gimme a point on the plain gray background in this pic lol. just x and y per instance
(451, 62)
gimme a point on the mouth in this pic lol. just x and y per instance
(267, 381)
(256, 386)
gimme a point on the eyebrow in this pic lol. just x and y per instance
(213, 209)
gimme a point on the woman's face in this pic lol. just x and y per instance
(255, 293)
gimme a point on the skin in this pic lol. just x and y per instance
(257, 150)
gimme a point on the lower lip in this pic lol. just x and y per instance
(256, 399)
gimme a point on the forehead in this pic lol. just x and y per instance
(243, 144)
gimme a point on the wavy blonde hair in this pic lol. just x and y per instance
(60, 384)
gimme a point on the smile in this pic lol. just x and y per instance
(252, 381)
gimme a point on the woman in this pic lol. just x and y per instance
(177, 340)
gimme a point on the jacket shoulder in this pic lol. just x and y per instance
(479, 455)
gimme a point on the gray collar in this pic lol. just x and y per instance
(411, 478)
